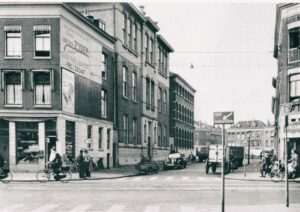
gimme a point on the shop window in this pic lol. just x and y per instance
(42, 87)
(104, 66)
(125, 81)
(108, 138)
(100, 138)
(89, 137)
(13, 47)
(13, 87)
(42, 41)
(27, 142)
(103, 103)
(70, 140)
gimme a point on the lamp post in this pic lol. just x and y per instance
(249, 141)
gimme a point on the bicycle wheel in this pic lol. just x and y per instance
(276, 176)
(42, 176)
(67, 178)
(8, 179)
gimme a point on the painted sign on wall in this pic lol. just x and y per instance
(68, 91)
(80, 53)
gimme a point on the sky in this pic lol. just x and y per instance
(231, 48)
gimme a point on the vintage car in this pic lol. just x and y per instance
(175, 160)
(147, 167)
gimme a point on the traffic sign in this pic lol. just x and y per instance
(223, 117)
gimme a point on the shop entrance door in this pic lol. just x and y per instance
(107, 160)
(4, 141)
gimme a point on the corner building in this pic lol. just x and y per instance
(52, 91)
(286, 102)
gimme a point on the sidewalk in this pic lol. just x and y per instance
(257, 208)
(126, 171)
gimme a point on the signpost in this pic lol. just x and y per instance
(223, 118)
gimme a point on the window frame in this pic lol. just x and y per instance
(104, 65)
(103, 103)
(45, 28)
(125, 81)
(17, 30)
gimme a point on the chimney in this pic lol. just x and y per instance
(91, 18)
(142, 8)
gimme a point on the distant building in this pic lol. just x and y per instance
(181, 114)
(286, 102)
(256, 132)
(206, 134)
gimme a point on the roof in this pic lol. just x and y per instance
(153, 25)
(181, 79)
(163, 41)
(254, 124)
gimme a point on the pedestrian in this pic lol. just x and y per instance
(81, 165)
(88, 164)
(52, 153)
(262, 166)
(294, 162)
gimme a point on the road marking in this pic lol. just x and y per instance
(153, 178)
(45, 208)
(80, 208)
(116, 208)
(185, 178)
(187, 209)
(152, 209)
(137, 179)
(169, 178)
(12, 208)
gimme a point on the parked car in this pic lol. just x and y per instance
(175, 160)
(202, 153)
(149, 167)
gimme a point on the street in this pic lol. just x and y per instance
(187, 190)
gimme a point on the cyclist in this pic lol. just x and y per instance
(56, 163)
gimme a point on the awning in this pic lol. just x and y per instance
(42, 28)
(12, 28)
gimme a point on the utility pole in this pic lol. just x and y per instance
(286, 164)
(223, 168)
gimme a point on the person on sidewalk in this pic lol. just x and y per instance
(294, 163)
(88, 164)
(81, 165)
(262, 166)
(56, 164)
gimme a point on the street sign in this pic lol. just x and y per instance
(223, 117)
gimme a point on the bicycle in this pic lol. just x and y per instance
(63, 176)
(6, 176)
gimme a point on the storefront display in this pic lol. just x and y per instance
(27, 140)
(70, 140)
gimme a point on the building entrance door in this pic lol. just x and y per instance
(114, 155)
(4, 140)
(107, 160)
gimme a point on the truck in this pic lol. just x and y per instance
(202, 153)
(234, 156)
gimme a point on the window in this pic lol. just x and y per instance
(151, 53)
(148, 101)
(165, 136)
(102, 25)
(100, 137)
(13, 41)
(134, 131)
(159, 60)
(125, 129)
(108, 138)
(42, 88)
(89, 137)
(159, 99)
(129, 30)
(134, 84)
(103, 103)
(147, 47)
(124, 29)
(152, 96)
(42, 41)
(294, 37)
(165, 102)
(104, 66)
(159, 134)
(13, 87)
(134, 33)
(125, 81)
(295, 86)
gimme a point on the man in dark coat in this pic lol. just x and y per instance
(81, 164)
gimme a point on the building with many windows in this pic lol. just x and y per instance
(56, 85)
(286, 102)
(141, 58)
(181, 114)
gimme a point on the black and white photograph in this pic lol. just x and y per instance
(149, 106)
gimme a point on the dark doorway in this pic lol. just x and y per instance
(4, 140)
(114, 155)
(107, 160)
